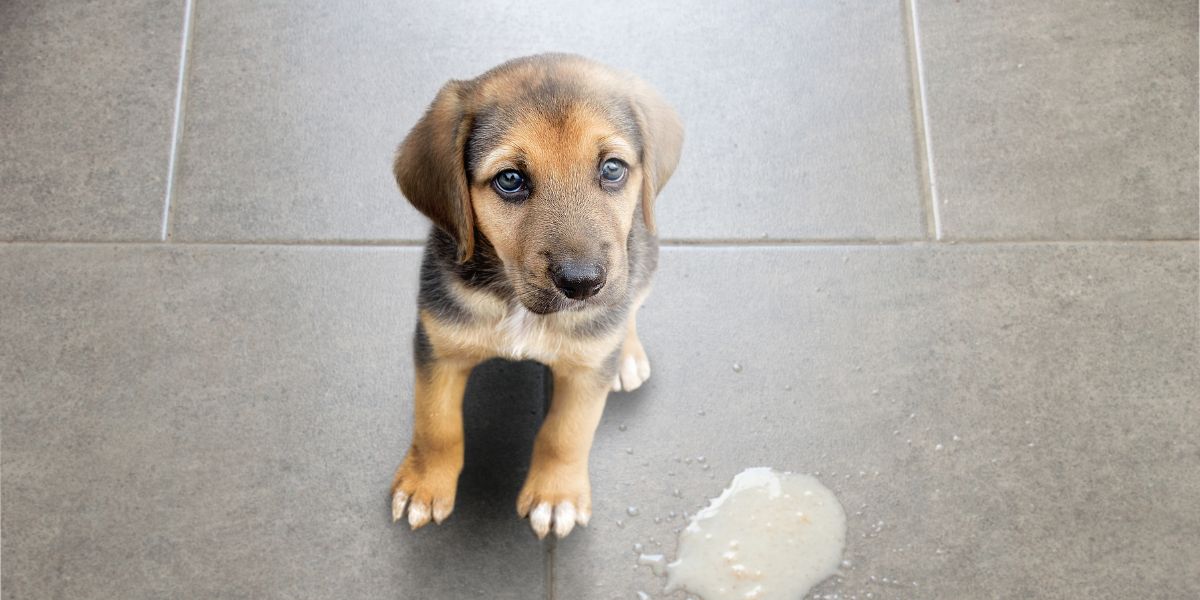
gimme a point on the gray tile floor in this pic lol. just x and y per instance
(955, 257)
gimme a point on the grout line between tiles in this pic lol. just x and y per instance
(929, 195)
(906, 243)
(548, 556)
(177, 123)
(676, 243)
(551, 546)
(788, 242)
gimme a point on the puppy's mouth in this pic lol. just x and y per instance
(541, 295)
(542, 301)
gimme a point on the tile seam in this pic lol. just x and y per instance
(177, 121)
(802, 243)
(551, 545)
(548, 557)
(929, 191)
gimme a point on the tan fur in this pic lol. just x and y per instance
(428, 477)
(558, 136)
(559, 471)
(518, 334)
(565, 156)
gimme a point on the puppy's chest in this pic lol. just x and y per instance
(507, 329)
(518, 334)
(522, 335)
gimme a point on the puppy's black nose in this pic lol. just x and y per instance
(577, 281)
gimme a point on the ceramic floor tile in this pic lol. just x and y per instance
(1063, 120)
(798, 117)
(225, 422)
(86, 105)
(1001, 421)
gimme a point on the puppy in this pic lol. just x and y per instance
(540, 178)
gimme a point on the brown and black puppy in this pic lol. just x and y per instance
(540, 177)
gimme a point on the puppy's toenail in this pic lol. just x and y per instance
(539, 519)
(418, 514)
(399, 499)
(564, 519)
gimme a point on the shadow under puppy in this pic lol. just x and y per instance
(540, 177)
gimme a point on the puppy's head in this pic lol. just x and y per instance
(551, 158)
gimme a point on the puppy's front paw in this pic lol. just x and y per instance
(558, 497)
(633, 369)
(426, 488)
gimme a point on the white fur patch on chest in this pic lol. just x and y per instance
(525, 335)
(507, 329)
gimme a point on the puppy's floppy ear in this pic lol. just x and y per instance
(662, 140)
(430, 170)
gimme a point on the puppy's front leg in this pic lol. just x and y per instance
(557, 492)
(428, 478)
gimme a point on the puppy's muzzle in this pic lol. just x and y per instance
(578, 280)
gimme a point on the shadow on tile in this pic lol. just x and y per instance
(502, 409)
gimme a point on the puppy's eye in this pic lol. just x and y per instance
(510, 184)
(612, 172)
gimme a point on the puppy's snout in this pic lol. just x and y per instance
(577, 280)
